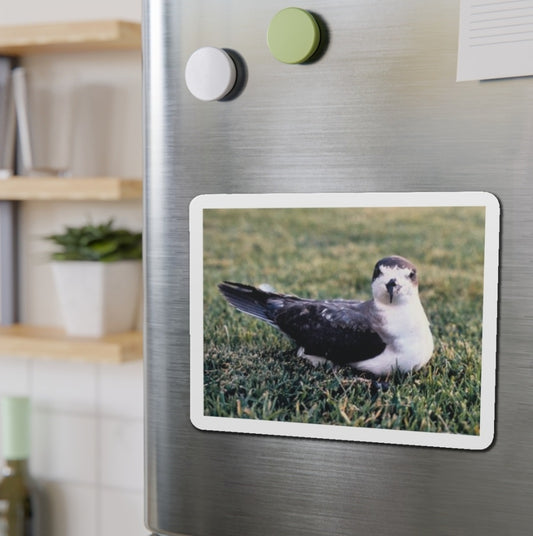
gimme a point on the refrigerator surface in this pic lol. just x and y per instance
(375, 109)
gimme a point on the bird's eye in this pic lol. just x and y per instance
(412, 275)
(377, 272)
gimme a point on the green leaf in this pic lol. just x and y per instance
(97, 243)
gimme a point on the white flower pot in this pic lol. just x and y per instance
(98, 298)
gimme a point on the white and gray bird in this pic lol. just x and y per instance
(387, 333)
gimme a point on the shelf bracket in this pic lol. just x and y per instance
(9, 310)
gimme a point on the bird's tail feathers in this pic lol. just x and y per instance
(248, 299)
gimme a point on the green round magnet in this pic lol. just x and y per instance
(293, 35)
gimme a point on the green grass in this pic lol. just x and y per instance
(252, 371)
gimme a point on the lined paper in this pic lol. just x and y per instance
(495, 39)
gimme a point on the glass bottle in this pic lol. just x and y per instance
(17, 497)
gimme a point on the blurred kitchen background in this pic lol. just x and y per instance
(87, 427)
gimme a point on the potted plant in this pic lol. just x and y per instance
(97, 272)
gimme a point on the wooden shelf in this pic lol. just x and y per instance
(69, 37)
(42, 342)
(52, 343)
(70, 189)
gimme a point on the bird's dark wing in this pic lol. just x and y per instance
(338, 330)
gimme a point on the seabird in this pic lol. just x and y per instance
(387, 333)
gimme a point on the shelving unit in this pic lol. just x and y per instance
(41, 342)
(69, 37)
(70, 189)
(20, 340)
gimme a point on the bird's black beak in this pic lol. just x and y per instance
(390, 288)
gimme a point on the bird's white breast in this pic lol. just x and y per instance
(405, 330)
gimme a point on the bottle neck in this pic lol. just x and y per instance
(15, 467)
(15, 431)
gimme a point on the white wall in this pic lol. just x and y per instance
(87, 449)
(87, 443)
(30, 11)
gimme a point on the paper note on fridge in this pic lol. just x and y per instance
(495, 39)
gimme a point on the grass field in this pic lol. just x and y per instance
(252, 371)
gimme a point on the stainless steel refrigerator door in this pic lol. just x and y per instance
(380, 111)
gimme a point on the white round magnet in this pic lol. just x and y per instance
(210, 73)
